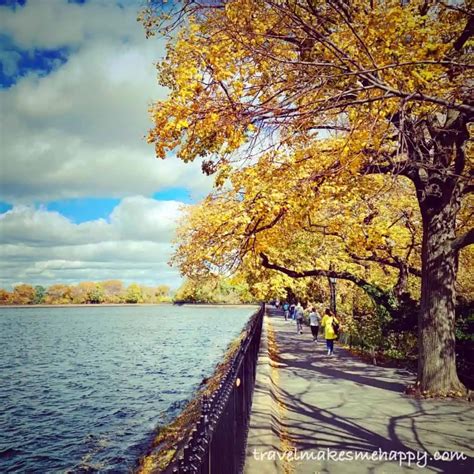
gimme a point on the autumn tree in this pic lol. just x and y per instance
(5, 297)
(147, 294)
(87, 292)
(214, 289)
(23, 294)
(96, 295)
(366, 86)
(113, 291)
(58, 294)
(370, 239)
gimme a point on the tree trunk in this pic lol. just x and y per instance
(437, 373)
(401, 288)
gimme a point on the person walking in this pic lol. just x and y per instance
(299, 314)
(330, 325)
(286, 309)
(314, 322)
(292, 311)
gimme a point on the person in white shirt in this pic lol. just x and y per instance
(299, 315)
(314, 322)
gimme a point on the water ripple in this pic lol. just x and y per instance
(82, 389)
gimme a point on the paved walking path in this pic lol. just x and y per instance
(326, 407)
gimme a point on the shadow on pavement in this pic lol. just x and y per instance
(341, 403)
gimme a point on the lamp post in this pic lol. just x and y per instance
(332, 290)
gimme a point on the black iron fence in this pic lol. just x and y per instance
(217, 442)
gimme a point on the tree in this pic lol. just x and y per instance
(88, 292)
(58, 294)
(343, 235)
(80, 292)
(113, 291)
(40, 292)
(134, 294)
(194, 291)
(366, 86)
(23, 294)
(148, 294)
(162, 293)
(214, 289)
(96, 295)
(5, 297)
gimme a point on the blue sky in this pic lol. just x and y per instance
(76, 81)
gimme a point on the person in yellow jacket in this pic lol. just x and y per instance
(328, 322)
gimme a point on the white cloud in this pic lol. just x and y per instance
(43, 247)
(50, 24)
(79, 131)
(136, 218)
(55, 165)
(33, 227)
(140, 218)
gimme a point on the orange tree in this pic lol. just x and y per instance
(385, 85)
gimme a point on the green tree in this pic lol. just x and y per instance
(97, 295)
(40, 292)
(134, 294)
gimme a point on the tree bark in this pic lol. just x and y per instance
(437, 373)
(401, 287)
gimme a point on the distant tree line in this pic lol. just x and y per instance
(214, 290)
(87, 292)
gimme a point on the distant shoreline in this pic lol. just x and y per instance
(88, 305)
(77, 305)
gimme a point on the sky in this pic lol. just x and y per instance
(82, 196)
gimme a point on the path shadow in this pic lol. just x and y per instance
(314, 428)
(328, 430)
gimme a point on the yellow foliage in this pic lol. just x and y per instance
(296, 104)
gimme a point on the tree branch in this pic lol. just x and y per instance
(468, 189)
(385, 261)
(379, 296)
(463, 240)
(396, 167)
(465, 35)
(257, 229)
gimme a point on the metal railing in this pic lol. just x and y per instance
(217, 442)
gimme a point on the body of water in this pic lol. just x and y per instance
(82, 389)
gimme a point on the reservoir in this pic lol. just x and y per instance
(82, 389)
